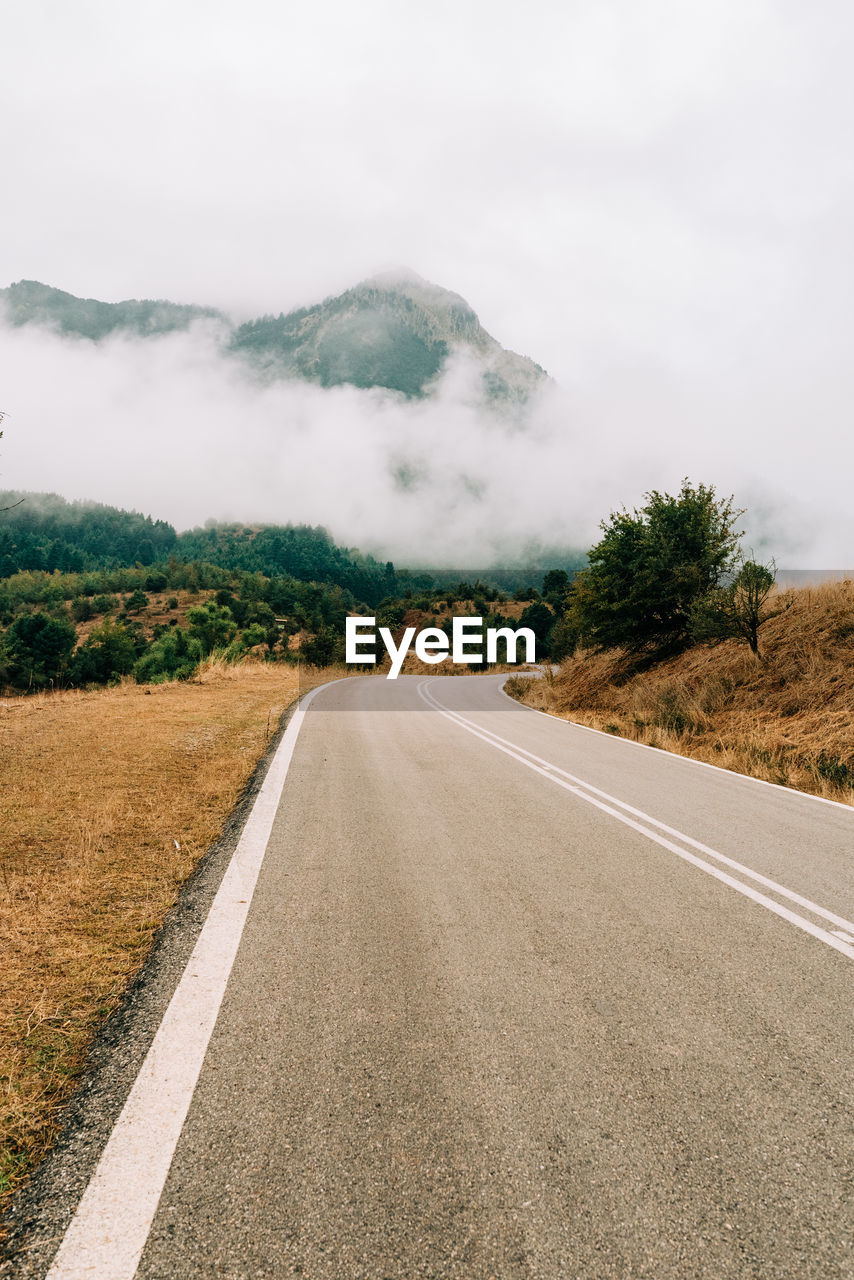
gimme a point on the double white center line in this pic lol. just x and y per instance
(840, 939)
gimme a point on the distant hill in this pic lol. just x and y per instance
(43, 531)
(304, 552)
(394, 331)
(29, 302)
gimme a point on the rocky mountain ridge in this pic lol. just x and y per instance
(395, 331)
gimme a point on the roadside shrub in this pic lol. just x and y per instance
(323, 649)
(651, 566)
(252, 635)
(173, 656)
(517, 686)
(839, 773)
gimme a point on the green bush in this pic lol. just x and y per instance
(173, 656)
(212, 625)
(136, 602)
(38, 650)
(108, 653)
(82, 609)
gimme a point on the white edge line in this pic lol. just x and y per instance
(106, 1237)
(704, 764)
(823, 935)
(740, 867)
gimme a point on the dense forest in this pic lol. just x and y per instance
(90, 594)
(44, 531)
(297, 551)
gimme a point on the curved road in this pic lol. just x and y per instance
(513, 999)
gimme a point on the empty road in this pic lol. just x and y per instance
(512, 1000)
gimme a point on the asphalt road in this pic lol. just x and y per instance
(515, 999)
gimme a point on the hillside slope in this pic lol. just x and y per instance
(787, 717)
(394, 331)
(29, 302)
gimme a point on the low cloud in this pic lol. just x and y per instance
(173, 427)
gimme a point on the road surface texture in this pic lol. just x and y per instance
(515, 999)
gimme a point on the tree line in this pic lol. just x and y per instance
(661, 578)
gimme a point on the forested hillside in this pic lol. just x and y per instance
(394, 331)
(297, 551)
(90, 594)
(29, 302)
(44, 531)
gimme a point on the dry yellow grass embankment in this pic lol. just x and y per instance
(108, 800)
(787, 717)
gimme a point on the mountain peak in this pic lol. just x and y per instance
(394, 330)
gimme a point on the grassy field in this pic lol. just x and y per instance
(786, 717)
(108, 801)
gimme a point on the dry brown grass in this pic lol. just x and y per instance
(109, 799)
(787, 717)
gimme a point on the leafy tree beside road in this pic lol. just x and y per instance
(737, 609)
(650, 568)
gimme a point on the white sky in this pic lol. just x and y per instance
(651, 198)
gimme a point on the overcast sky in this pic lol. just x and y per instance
(651, 199)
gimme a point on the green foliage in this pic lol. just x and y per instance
(136, 602)
(211, 625)
(108, 653)
(840, 773)
(38, 650)
(291, 551)
(82, 608)
(46, 532)
(563, 638)
(323, 649)
(173, 656)
(391, 614)
(738, 609)
(556, 585)
(651, 566)
(539, 617)
(252, 635)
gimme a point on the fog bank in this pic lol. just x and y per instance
(175, 428)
